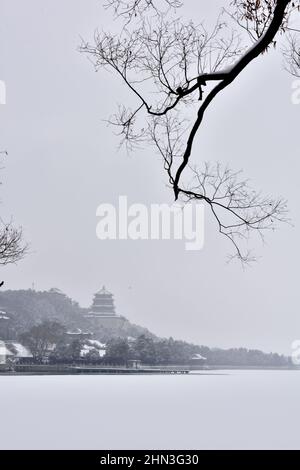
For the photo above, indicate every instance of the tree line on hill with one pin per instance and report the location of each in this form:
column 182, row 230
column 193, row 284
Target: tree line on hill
column 49, row 340
column 173, row 352
column 27, row 308
column 40, row 320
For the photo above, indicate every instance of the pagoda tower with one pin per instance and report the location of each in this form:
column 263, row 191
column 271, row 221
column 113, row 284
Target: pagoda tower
column 103, row 305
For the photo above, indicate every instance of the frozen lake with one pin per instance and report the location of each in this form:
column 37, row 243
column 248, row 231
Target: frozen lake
column 216, row 410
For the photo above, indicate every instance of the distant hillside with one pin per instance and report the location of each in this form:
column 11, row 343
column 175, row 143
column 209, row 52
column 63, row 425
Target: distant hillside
column 26, row 308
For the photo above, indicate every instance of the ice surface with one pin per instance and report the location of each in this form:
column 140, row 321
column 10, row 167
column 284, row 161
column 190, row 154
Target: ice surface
column 214, row 410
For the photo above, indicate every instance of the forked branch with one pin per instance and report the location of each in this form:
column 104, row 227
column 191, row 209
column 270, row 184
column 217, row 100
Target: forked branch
column 169, row 65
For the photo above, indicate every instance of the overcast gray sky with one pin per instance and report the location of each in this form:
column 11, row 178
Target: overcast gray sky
column 63, row 162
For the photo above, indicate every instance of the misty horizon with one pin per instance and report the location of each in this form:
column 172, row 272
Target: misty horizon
column 63, row 161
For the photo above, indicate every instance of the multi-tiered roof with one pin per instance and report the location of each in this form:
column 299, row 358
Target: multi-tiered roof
column 103, row 305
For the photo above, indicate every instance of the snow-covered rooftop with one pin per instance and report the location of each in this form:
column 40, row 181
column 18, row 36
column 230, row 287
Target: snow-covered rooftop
column 96, row 343
column 21, row 351
column 3, row 350
column 198, row 357
column 3, row 315
column 78, row 332
column 88, row 348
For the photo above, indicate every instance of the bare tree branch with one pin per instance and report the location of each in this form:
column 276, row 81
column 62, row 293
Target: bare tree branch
column 167, row 65
column 292, row 55
column 238, row 209
column 12, row 246
column 135, row 8
column 259, row 47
